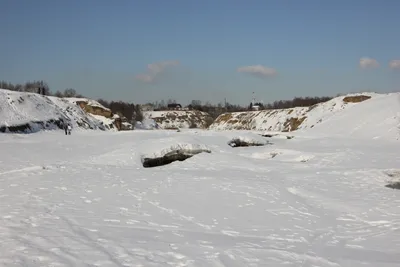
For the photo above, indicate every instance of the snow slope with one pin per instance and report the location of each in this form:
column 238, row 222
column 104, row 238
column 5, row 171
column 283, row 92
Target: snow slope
column 86, row 200
column 179, row 118
column 378, row 117
column 90, row 102
column 30, row 112
column 336, row 115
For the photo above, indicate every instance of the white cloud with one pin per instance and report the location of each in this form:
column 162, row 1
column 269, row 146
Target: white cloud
column 154, row 69
column 368, row 63
column 258, row 70
column 394, row 64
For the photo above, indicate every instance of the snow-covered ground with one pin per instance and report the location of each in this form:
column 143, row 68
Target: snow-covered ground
column 86, row 200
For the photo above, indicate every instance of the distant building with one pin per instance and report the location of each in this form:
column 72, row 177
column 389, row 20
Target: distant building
column 255, row 105
column 174, row 106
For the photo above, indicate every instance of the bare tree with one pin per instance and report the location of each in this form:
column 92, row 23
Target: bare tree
column 104, row 102
column 138, row 113
column 171, row 101
column 162, row 104
column 195, row 103
column 59, row 94
column 35, row 86
column 70, row 92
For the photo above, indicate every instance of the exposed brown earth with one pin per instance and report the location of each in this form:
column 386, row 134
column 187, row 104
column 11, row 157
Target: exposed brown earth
column 95, row 110
column 194, row 118
column 356, row 99
column 293, row 124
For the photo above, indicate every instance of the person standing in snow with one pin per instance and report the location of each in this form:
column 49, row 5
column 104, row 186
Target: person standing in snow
column 69, row 129
column 66, row 128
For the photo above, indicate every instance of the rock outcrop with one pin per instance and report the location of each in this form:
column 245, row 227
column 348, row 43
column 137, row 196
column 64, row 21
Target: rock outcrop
column 173, row 119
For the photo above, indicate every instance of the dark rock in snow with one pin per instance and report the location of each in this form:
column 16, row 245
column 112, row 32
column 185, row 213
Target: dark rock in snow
column 237, row 142
column 394, row 185
column 175, row 155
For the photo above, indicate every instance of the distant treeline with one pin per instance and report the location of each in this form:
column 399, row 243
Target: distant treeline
column 129, row 110
column 297, row 102
column 133, row 112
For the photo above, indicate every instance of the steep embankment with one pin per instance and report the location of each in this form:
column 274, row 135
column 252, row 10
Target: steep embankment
column 179, row 118
column 30, row 112
column 364, row 114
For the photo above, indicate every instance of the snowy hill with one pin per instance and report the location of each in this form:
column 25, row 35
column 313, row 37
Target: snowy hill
column 30, row 112
column 365, row 114
column 179, row 118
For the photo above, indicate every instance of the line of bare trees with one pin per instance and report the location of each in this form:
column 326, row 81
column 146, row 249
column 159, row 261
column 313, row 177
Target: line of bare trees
column 133, row 112
column 33, row 86
column 26, row 87
column 130, row 111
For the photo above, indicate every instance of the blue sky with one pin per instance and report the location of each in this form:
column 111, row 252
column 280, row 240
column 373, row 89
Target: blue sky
column 205, row 50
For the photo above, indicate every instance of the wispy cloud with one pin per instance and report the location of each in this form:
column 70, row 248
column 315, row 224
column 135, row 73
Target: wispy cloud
column 368, row 63
column 394, row 64
column 154, row 69
column 258, row 70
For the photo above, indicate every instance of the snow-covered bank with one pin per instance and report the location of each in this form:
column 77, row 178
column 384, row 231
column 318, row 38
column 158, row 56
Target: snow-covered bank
column 171, row 119
column 30, row 112
column 366, row 115
column 86, row 200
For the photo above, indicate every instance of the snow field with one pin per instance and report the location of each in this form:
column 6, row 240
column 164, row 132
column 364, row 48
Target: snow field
column 86, row 200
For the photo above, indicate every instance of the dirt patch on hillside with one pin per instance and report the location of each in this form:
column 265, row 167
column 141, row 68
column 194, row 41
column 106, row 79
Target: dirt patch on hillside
column 293, row 124
column 224, row 117
column 94, row 109
column 191, row 119
column 356, row 99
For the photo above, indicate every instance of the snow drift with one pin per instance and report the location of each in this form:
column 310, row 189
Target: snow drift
column 178, row 152
column 31, row 112
column 245, row 141
column 366, row 114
